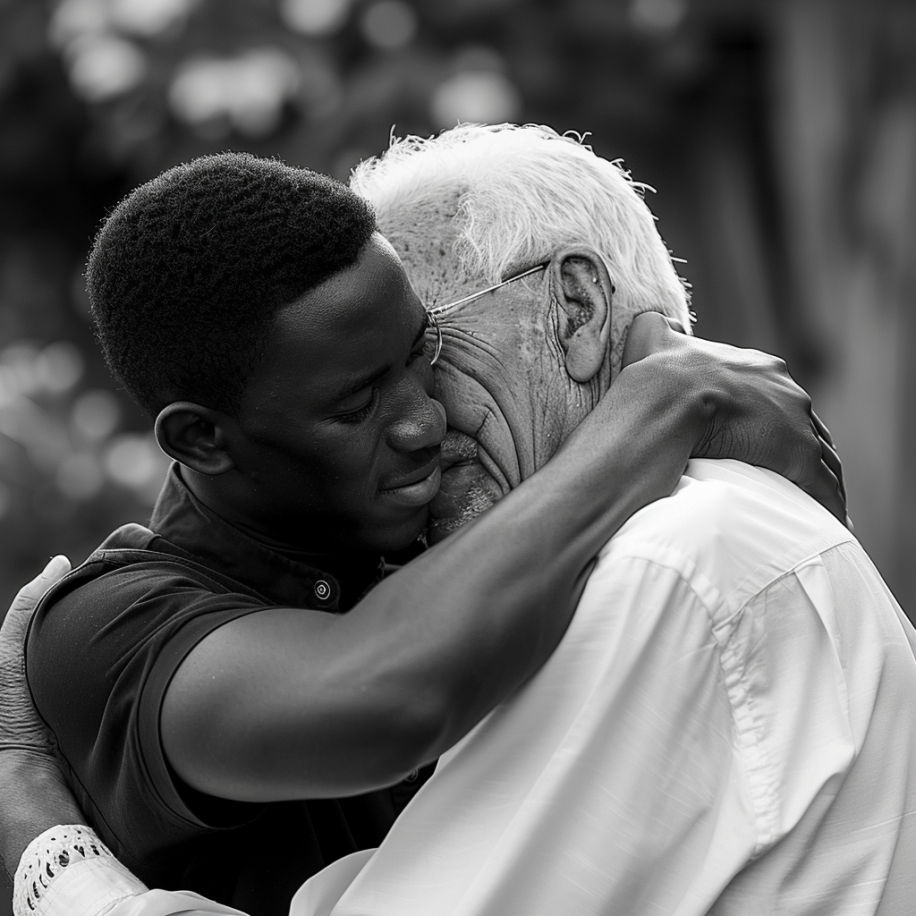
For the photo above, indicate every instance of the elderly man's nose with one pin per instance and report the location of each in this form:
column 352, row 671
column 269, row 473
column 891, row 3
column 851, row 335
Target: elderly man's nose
column 422, row 426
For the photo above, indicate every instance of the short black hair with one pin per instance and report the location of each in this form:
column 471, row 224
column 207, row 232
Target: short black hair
column 187, row 272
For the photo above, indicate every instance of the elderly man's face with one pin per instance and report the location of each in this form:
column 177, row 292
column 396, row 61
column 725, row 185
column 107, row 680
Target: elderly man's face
column 502, row 377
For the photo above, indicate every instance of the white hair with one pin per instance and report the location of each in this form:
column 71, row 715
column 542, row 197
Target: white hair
column 523, row 193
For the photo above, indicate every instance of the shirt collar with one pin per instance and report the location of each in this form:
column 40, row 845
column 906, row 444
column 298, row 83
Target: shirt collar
column 334, row 583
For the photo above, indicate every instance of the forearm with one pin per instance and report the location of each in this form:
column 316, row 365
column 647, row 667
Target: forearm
column 34, row 800
column 77, row 872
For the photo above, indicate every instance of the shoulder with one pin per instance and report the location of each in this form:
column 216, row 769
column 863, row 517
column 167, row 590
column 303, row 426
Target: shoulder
column 729, row 530
column 112, row 616
column 135, row 590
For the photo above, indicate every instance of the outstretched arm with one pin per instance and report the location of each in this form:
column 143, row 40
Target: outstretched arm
column 683, row 397
column 419, row 662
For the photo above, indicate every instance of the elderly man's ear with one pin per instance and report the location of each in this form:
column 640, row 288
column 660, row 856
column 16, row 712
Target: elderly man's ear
column 583, row 289
column 195, row 436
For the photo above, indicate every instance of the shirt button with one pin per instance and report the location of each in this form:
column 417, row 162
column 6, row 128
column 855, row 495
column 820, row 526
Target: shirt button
column 412, row 776
column 322, row 590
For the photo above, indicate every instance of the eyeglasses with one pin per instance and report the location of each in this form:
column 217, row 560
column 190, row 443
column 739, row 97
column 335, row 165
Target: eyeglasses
column 437, row 310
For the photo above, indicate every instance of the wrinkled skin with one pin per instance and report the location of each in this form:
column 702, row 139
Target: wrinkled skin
column 501, row 376
column 508, row 397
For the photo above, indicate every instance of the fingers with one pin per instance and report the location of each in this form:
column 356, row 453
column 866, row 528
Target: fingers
column 56, row 568
column 821, row 428
column 824, row 481
column 30, row 593
column 830, row 453
column 831, row 459
column 831, row 492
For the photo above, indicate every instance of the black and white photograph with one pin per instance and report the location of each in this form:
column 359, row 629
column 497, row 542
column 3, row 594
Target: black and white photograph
column 455, row 457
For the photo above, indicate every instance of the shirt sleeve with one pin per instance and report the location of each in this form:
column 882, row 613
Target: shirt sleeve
column 97, row 888
column 68, row 871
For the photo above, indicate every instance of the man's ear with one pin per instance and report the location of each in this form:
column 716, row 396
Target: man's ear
column 194, row 436
column 584, row 291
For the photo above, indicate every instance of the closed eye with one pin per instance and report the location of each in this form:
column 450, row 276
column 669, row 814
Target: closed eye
column 361, row 413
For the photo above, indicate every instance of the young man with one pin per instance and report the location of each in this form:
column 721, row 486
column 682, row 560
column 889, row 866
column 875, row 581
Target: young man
column 256, row 310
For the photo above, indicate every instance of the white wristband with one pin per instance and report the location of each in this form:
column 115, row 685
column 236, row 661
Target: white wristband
column 69, row 871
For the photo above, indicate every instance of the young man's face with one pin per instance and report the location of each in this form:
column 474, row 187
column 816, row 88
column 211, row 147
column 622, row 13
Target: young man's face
column 339, row 435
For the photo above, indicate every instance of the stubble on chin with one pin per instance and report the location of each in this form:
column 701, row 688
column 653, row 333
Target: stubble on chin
column 450, row 512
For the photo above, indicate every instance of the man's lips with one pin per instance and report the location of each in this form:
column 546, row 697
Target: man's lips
column 417, row 488
column 467, row 487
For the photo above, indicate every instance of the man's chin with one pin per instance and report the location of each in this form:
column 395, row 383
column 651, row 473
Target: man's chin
column 466, row 491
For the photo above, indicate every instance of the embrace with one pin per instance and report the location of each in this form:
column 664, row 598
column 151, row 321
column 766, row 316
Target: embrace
column 643, row 666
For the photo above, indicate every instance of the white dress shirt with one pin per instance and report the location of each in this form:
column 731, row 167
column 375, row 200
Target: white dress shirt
column 728, row 727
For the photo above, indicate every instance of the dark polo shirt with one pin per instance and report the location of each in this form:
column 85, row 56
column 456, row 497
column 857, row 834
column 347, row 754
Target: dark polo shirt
column 104, row 645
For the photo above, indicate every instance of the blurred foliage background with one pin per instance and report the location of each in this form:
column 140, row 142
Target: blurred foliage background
column 779, row 134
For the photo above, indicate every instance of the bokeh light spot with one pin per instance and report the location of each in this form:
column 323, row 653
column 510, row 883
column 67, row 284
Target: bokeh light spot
column 105, row 66
column 149, row 17
column 388, row 24
column 73, row 18
column 38, row 431
column 18, row 363
column 265, row 80
column 658, row 15
column 479, row 57
column 485, row 98
column 248, row 91
column 134, row 461
column 315, row 17
column 197, row 93
column 59, row 366
column 95, row 414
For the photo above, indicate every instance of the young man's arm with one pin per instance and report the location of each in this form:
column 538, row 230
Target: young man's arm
column 286, row 704
column 687, row 401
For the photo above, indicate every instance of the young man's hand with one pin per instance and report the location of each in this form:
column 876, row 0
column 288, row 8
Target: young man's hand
column 755, row 411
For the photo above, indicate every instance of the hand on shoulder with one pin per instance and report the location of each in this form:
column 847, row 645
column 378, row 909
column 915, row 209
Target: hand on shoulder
column 753, row 409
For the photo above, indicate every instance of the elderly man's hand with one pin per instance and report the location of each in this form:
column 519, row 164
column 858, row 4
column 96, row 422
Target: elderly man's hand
column 755, row 411
column 32, row 787
column 20, row 727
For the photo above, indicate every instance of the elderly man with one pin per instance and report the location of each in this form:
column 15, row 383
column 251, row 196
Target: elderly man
column 584, row 363
column 726, row 726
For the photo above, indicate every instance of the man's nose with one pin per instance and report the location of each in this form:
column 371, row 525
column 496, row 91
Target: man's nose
column 421, row 425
